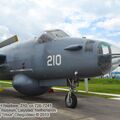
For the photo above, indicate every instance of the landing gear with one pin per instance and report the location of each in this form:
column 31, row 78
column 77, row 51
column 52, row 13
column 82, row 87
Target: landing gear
column 70, row 98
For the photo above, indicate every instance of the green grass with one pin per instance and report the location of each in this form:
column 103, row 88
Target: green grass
column 103, row 85
column 104, row 81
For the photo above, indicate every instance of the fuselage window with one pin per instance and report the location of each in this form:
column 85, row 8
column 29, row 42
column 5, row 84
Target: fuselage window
column 89, row 45
column 104, row 49
column 44, row 38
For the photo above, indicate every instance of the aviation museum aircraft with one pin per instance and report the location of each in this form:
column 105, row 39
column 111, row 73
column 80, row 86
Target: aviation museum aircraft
column 53, row 59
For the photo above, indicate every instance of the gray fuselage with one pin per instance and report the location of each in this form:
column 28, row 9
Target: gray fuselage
column 50, row 60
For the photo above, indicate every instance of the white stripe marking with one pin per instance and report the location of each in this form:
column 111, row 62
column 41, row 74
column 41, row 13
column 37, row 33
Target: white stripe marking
column 107, row 94
column 6, row 82
column 21, row 70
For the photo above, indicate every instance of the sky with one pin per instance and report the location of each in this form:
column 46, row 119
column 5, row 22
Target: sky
column 94, row 19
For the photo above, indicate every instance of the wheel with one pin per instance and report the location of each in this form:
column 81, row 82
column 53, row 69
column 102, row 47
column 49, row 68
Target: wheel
column 71, row 100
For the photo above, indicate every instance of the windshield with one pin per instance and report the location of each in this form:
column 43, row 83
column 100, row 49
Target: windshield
column 57, row 34
column 52, row 35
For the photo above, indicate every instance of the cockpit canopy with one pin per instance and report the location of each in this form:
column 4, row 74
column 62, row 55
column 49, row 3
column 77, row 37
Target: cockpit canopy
column 52, row 35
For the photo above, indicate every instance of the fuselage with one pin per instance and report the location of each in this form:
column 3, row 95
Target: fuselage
column 50, row 60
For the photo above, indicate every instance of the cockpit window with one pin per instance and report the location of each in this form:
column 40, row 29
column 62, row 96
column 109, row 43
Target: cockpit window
column 104, row 49
column 57, row 33
column 44, row 38
column 104, row 57
column 52, row 35
column 89, row 45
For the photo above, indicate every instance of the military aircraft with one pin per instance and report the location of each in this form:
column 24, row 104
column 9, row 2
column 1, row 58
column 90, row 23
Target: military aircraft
column 53, row 59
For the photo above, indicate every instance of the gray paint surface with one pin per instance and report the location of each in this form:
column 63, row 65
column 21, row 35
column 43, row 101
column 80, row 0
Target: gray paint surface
column 30, row 58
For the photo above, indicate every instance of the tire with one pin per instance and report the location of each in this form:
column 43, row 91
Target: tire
column 72, row 101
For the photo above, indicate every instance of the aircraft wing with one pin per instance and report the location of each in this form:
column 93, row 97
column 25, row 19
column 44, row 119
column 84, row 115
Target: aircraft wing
column 9, row 41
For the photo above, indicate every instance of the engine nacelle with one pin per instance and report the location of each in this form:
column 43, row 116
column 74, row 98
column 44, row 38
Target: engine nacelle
column 28, row 86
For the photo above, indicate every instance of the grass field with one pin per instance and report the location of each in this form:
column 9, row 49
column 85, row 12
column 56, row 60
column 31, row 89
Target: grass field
column 104, row 85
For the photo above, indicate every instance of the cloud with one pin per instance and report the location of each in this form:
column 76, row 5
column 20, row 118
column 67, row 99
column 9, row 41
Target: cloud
column 4, row 32
column 28, row 18
column 110, row 24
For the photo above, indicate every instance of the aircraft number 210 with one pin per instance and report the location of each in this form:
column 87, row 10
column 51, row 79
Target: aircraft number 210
column 54, row 60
